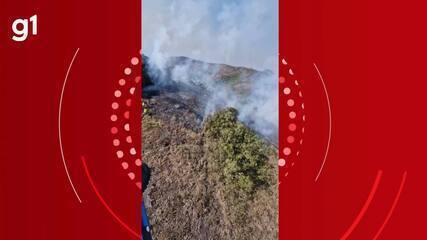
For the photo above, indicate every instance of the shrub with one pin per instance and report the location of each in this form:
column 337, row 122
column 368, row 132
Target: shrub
column 239, row 155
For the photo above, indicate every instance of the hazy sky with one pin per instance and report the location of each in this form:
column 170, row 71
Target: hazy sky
column 236, row 32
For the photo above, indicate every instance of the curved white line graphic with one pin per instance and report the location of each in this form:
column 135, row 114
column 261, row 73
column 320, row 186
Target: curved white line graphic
column 59, row 126
column 330, row 122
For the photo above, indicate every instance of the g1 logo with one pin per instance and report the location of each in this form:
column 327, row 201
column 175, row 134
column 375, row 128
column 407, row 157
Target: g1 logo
column 20, row 28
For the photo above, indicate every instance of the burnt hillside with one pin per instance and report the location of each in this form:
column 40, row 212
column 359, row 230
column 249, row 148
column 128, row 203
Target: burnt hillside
column 212, row 176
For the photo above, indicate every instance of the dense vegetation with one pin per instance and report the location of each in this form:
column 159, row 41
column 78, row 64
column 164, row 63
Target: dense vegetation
column 241, row 158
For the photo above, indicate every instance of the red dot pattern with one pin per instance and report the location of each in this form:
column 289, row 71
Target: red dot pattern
column 293, row 130
column 124, row 149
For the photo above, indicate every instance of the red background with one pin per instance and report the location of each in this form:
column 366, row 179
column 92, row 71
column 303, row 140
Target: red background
column 371, row 56
column 36, row 200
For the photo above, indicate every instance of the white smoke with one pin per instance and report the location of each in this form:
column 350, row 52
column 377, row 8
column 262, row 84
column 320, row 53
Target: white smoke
column 234, row 32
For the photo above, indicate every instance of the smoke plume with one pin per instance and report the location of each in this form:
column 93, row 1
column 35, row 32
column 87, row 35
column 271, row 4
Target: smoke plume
column 234, row 32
